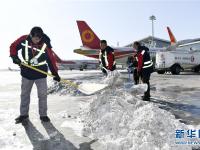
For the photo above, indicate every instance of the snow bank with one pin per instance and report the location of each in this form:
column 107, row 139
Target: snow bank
column 124, row 126
column 84, row 85
column 123, row 122
column 62, row 89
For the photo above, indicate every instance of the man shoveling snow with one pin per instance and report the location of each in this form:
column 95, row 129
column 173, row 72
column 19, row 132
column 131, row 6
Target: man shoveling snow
column 144, row 67
column 37, row 57
column 107, row 63
column 37, row 52
column 106, row 57
column 108, row 67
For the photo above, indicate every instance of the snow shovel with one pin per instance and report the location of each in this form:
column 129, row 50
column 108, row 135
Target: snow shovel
column 86, row 88
column 130, row 83
column 135, row 89
column 112, row 76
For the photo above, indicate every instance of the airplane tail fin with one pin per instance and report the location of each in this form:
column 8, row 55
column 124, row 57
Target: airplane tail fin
column 88, row 37
column 172, row 37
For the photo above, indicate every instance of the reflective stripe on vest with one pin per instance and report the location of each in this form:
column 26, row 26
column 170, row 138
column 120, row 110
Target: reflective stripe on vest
column 34, row 60
column 26, row 51
column 39, row 64
column 100, row 56
column 143, row 52
column 147, row 64
column 114, row 63
column 24, row 44
column 105, row 57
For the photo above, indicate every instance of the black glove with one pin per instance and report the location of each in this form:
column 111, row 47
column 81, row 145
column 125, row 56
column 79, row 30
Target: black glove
column 57, row 78
column 16, row 60
column 130, row 65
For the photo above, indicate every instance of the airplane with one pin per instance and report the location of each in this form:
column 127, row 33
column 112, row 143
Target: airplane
column 187, row 44
column 91, row 44
column 75, row 64
column 60, row 61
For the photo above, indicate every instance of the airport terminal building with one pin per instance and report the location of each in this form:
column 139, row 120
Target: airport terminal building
column 147, row 41
column 157, row 42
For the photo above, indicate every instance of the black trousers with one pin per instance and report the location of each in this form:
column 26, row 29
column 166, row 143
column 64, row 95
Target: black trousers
column 136, row 77
column 145, row 76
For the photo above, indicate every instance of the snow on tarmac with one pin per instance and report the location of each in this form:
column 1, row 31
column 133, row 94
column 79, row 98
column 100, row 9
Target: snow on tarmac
column 8, row 138
column 116, row 118
column 122, row 121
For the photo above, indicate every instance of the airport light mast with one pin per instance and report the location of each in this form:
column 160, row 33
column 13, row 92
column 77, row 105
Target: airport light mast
column 152, row 18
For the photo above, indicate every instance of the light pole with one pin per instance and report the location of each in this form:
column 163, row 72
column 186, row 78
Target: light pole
column 152, row 18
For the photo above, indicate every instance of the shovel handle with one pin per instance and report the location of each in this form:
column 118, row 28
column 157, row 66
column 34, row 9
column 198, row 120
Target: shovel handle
column 48, row 74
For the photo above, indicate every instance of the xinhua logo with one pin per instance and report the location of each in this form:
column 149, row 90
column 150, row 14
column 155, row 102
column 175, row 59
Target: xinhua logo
column 186, row 137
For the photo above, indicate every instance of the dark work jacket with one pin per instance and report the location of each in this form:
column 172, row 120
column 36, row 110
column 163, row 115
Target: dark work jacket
column 145, row 65
column 46, row 56
column 107, row 58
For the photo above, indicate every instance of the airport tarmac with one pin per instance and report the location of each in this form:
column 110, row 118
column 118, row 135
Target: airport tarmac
column 178, row 94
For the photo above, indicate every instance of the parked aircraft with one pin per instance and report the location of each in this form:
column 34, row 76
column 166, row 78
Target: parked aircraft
column 91, row 44
column 75, row 64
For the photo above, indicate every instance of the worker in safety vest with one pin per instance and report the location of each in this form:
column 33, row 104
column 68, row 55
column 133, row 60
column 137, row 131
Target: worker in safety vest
column 106, row 57
column 36, row 52
column 144, row 67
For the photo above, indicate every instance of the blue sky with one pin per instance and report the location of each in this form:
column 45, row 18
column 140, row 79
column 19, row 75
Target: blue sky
column 120, row 21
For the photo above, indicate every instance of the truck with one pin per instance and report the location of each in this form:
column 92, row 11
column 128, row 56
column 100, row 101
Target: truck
column 177, row 61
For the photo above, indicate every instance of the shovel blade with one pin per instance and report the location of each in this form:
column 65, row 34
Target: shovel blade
column 91, row 88
column 141, row 87
column 136, row 89
column 112, row 77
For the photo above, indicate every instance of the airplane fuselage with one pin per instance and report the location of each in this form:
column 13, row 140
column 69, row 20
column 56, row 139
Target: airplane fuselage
column 119, row 52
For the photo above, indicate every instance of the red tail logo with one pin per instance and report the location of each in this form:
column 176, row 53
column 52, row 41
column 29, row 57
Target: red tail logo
column 88, row 37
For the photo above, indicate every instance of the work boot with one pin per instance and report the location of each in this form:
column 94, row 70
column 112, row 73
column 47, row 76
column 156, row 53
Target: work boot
column 21, row 119
column 145, row 98
column 44, row 118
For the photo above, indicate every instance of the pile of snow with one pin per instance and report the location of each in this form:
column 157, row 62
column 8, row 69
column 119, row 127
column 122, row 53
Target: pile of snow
column 62, row 89
column 139, row 125
column 112, row 79
column 84, row 85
